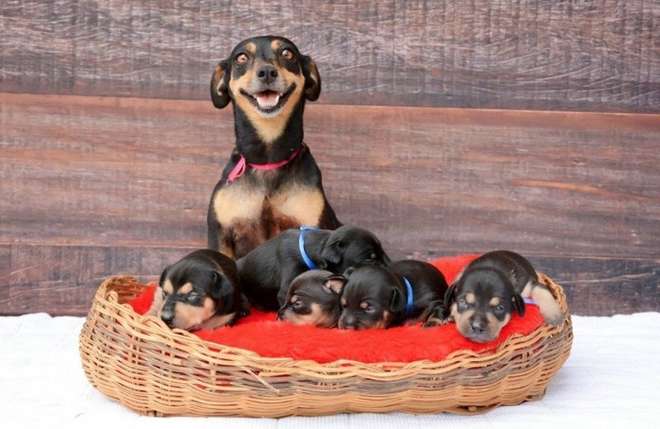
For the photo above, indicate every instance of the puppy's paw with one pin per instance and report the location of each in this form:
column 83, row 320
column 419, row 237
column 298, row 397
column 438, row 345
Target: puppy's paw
column 548, row 306
column 434, row 321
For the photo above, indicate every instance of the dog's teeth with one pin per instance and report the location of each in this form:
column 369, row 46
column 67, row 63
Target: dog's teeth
column 267, row 101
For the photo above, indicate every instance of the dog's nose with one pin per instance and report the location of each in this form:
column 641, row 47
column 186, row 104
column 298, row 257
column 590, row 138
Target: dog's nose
column 347, row 322
column 478, row 327
column 167, row 317
column 267, row 74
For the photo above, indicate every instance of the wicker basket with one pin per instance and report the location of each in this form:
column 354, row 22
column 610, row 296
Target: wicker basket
column 146, row 366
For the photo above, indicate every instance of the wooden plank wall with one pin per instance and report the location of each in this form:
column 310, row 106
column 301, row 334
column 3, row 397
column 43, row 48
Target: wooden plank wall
column 109, row 147
column 596, row 55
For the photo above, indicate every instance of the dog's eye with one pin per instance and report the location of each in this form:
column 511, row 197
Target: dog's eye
column 193, row 297
column 461, row 301
column 297, row 305
column 499, row 308
column 241, row 59
column 287, row 54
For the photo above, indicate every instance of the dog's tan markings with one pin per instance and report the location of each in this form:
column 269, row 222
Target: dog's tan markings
column 246, row 235
column 316, row 317
column 343, row 302
column 157, row 303
column 304, row 204
column 548, row 306
column 186, row 288
column 494, row 301
column 238, row 202
column 462, row 320
column 188, row 316
column 269, row 128
column 218, row 74
column 251, row 47
column 275, row 44
column 217, row 321
column 167, row 286
column 470, row 298
column 495, row 325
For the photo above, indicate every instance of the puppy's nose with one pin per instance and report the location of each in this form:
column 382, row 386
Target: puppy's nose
column 167, row 317
column 267, row 74
column 347, row 322
column 478, row 326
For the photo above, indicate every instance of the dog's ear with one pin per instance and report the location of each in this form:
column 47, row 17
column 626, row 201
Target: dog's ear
column 163, row 276
column 312, row 78
column 332, row 251
column 450, row 295
column 397, row 303
column 335, row 284
column 519, row 304
column 222, row 292
column 220, row 84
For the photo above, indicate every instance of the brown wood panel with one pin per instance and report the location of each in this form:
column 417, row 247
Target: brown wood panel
column 535, row 54
column 131, row 178
column 63, row 279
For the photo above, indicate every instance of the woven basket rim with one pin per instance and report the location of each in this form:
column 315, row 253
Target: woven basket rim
column 107, row 297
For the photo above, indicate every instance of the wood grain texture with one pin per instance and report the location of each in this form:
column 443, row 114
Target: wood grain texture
column 577, row 192
column 530, row 54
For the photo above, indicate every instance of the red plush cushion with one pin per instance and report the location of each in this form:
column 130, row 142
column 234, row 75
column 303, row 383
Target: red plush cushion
column 261, row 333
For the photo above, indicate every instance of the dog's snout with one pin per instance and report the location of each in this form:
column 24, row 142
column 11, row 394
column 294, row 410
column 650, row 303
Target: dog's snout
column 267, row 74
column 478, row 326
column 348, row 322
column 167, row 317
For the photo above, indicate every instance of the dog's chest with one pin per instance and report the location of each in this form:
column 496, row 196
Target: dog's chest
column 286, row 206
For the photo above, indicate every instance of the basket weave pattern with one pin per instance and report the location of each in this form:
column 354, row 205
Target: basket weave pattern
column 149, row 368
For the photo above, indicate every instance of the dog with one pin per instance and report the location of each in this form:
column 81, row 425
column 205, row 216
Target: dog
column 200, row 291
column 493, row 286
column 267, row 271
column 271, row 182
column 313, row 299
column 381, row 297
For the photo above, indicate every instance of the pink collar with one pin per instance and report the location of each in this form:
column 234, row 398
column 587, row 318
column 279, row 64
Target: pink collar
column 241, row 166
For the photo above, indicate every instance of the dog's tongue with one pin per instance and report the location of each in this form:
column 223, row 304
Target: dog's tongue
column 267, row 99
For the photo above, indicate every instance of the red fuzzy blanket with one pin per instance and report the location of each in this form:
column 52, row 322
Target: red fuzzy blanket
column 261, row 333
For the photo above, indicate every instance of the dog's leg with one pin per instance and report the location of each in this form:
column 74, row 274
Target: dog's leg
column 548, row 306
column 436, row 314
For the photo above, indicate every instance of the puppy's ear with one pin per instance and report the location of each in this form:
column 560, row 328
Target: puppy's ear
column 519, row 304
column 397, row 302
column 220, row 84
column 222, row 291
column 163, row 276
column 450, row 295
column 312, row 78
column 332, row 251
column 335, row 284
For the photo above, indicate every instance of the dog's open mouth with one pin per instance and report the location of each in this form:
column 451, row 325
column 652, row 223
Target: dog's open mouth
column 269, row 101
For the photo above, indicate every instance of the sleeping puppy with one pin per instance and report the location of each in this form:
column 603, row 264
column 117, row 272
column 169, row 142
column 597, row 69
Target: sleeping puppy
column 200, row 291
column 380, row 297
column 488, row 291
column 313, row 299
column 267, row 271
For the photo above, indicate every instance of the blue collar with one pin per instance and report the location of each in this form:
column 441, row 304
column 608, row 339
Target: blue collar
column 409, row 298
column 301, row 247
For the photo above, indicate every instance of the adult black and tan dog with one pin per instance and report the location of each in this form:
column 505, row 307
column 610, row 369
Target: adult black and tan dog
column 271, row 182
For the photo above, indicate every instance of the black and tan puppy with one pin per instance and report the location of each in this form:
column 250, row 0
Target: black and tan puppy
column 267, row 271
column 201, row 291
column 493, row 286
column 271, row 182
column 313, row 299
column 381, row 297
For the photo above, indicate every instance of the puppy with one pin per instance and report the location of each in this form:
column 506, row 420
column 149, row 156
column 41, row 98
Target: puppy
column 380, row 297
column 201, row 291
column 489, row 290
column 267, row 271
column 313, row 299
column 271, row 181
